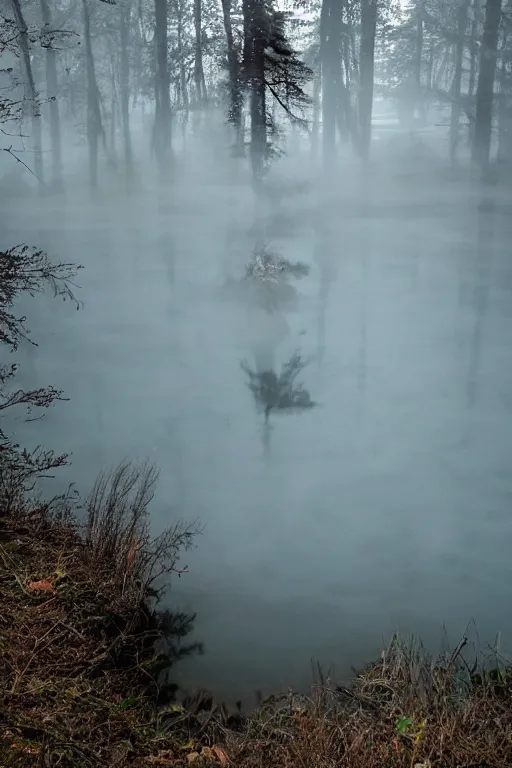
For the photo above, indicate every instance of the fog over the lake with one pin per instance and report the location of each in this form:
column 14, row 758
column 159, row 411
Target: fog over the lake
column 387, row 506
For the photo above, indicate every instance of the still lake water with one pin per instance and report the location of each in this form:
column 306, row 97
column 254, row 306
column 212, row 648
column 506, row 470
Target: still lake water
column 389, row 506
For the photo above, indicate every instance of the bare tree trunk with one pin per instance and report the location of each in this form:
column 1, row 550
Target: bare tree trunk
column 473, row 47
column 485, row 89
column 52, row 92
column 258, row 110
column 124, row 82
column 183, row 73
column 30, row 90
column 462, row 21
column 418, row 58
column 330, row 53
column 199, row 80
column 505, row 106
column 235, row 91
column 163, row 126
column 317, row 84
column 94, row 121
column 366, row 73
column 112, row 152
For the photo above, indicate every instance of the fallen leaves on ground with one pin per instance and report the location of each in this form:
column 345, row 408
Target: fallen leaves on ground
column 44, row 585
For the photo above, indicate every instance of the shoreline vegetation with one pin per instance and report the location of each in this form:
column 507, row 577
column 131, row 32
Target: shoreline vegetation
column 86, row 657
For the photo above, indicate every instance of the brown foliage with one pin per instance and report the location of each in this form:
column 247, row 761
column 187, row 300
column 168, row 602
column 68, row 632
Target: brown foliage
column 79, row 670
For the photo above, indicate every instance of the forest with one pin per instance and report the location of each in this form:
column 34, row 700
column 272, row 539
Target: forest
column 84, row 72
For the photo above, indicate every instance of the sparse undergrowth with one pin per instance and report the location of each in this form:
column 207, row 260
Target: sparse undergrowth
column 83, row 647
column 80, row 681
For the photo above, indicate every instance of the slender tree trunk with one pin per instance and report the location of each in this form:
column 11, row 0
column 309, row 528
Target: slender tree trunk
column 473, row 48
column 485, row 89
column 317, row 84
column 258, row 111
column 183, row 73
column 430, row 68
column 199, row 80
column 330, row 54
column 94, row 121
column 52, row 92
column 462, row 21
column 112, row 152
column 418, row 58
column 235, row 91
column 366, row 73
column 163, row 127
column 505, row 105
column 124, row 82
column 30, row 89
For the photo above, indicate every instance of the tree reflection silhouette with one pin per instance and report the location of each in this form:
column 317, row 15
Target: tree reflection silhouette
column 273, row 392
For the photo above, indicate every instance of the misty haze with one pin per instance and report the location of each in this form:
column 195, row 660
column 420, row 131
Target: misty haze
column 302, row 319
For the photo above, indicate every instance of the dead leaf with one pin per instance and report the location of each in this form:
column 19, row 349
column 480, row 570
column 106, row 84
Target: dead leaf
column 45, row 585
column 165, row 757
column 220, row 755
column 193, row 756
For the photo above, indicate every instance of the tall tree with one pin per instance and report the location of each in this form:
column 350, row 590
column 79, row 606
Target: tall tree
column 473, row 47
column 504, row 154
column 366, row 74
column 485, row 88
column 199, row 80
column 255, row 36
column 235, row 90
column 124, row 82
column 270, row 67
column 418, row 58
column 52, row 93
column 94, row 122
column 462, row 21
column 30, row 89
column 330, row 55
column 162, row 136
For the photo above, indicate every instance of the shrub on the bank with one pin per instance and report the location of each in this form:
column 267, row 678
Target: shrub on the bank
column 118, row 534
column 25, row 270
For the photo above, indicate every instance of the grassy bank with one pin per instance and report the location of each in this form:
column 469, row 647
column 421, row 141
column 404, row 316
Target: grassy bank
column 81, row 680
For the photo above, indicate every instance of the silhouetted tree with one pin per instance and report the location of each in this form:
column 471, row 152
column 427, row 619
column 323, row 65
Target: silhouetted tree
column 279, row 392
column 25, row 271
column 162, row 136
column 94, row 122
column 30, row 88
column 269, row 64
column 366, row 74
column 124, row 77
column 52, row 93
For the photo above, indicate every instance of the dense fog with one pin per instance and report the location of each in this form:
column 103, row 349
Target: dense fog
column 383, row 507
column 386, row 507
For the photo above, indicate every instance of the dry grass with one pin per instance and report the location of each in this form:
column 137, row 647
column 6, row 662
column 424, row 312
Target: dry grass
column 79, row 671
column 79, row 681
column 405, row 711
column 118, row 534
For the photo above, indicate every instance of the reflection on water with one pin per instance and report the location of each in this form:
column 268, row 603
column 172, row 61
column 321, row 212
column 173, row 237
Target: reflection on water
column 388, row 506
